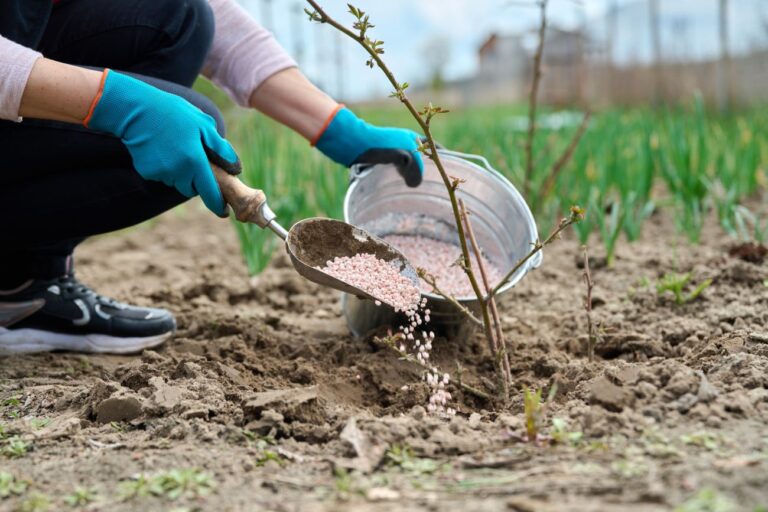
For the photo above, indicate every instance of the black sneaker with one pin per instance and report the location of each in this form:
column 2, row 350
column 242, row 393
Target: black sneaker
column 63, row 314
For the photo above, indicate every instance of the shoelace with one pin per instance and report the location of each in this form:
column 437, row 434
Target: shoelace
column 71, row 284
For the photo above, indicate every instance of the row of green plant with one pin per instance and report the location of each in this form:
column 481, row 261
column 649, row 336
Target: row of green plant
column 629, row 164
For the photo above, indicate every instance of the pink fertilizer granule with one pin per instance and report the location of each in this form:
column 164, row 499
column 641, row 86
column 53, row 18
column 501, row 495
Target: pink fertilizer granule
column 439, row 259
column 377, row 278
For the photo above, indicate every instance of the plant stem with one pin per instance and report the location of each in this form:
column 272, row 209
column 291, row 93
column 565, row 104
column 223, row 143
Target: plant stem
column 534, row 98
column 433, row 155
column 561, row 162
column 450, row 298
column 576, row 216
column 498, row 344
column 588, row 308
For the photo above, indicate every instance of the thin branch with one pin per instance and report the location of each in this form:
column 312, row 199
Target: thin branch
column 498, row 345
column 423, row 121
column 576, row 215
column 534, row 98
column 561, row 162
column 431, row 281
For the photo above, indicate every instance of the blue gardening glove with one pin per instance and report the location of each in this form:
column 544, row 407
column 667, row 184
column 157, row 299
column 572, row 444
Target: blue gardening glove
column 349, row 140
column 169, row 139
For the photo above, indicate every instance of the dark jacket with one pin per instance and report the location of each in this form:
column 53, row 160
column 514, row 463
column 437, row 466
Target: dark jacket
column 24, row 21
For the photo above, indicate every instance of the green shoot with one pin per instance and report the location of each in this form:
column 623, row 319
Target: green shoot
column 402, row 456
column 708, row 500
column 35, row 502
column 171, row 484
column 15, row 447
column 11, row 486
column 561, row 435
column 676, row 284
column 80, row 497
column 535, row 409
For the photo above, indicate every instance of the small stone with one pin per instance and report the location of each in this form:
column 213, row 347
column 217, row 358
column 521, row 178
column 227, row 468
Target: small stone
column 474, row 420
column 685, row 402
column 382, row 494
column 118, row 408
column 418, row 412
column 739, row 323
column 707, row 391
column 271, row 416
column 608, row 395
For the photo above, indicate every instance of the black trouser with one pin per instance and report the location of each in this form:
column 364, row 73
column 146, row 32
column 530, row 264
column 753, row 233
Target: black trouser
column 60, row 183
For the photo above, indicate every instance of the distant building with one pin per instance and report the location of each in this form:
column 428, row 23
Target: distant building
column 611, row 60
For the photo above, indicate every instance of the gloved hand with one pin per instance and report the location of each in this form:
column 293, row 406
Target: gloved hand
column 169, row 139
column 348, row 140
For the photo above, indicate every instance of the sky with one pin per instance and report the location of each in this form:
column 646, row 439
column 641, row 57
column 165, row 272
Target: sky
column 408, row 27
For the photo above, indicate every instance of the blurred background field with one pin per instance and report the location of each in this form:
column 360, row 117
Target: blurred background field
column 630, row 162
column 678, row 93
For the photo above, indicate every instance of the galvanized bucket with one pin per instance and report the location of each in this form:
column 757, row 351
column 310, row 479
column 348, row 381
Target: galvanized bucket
column 380, row 202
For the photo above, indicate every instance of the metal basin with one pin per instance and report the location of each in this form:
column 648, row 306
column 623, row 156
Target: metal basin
column 379, row 202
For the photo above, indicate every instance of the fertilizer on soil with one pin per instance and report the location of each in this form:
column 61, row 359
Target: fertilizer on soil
column 382, row 280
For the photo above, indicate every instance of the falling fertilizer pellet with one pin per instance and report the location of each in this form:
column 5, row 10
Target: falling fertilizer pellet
column 439, row 260
column 383, row 281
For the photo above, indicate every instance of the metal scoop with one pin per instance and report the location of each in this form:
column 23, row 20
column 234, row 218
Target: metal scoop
column 311, row 242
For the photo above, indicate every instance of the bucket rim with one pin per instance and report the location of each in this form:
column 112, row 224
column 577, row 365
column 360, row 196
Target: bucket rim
column 360, row 172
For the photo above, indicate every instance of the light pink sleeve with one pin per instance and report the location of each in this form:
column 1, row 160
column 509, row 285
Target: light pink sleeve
column 244, row 53
column 16, row 63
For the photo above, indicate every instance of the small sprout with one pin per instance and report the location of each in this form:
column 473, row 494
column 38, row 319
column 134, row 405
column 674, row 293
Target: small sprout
column 560, row 434
column 314, row 16
column 402, row 456
column 38, row 423
column 535, row 409
column 171, row 484
column 80, row 497
column 11, row 486
column 35, row 502
column 629, row 468
column 708, row 499
column 703, row 439
column 676, row 284
column 15, row 447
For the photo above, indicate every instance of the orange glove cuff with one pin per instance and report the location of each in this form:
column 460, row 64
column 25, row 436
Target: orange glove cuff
column 96, row 98
column 325, row 124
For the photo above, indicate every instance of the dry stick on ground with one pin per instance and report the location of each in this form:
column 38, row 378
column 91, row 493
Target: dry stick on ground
column 374, row 50
column 588, row 308
column 499, row 344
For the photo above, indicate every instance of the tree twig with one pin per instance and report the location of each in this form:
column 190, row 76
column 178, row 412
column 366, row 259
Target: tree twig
column 498, row 344
column 576, row 215
column 533, row 99
column 431, row 281
column 561, row 162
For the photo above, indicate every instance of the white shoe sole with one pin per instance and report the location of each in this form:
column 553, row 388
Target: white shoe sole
column 29, row 341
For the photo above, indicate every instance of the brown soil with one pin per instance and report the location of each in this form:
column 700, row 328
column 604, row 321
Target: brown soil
column 674, row 410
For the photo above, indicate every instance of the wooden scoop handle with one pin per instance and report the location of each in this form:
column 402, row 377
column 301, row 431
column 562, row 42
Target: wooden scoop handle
column 248, row 203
